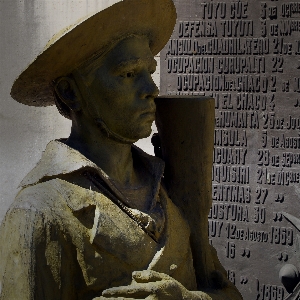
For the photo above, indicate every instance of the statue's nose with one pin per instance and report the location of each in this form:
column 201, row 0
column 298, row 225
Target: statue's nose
column 150, row 89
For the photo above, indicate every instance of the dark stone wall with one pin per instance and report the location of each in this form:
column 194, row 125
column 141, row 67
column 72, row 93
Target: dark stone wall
column 246, row 54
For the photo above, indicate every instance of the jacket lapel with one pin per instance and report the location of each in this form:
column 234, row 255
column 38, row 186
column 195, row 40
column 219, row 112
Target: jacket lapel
column 113, row 231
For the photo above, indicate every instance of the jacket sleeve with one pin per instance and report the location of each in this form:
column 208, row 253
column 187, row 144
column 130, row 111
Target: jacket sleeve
column 25, row 261
column 17, row 264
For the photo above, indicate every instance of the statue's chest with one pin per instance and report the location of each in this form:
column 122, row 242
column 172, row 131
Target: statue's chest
column 110, row 245
column 114, row 247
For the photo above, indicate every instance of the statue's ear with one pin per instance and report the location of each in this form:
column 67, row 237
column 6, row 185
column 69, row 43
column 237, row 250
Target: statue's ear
column 67, row 91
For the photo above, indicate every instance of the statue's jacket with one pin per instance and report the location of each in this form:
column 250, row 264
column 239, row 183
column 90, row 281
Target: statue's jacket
column 61, row 240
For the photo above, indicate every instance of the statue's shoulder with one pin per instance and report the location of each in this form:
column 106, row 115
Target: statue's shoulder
column 37, row 196
column 44, row 188
column 29, row 215
column 44, row 208
column 41, row 199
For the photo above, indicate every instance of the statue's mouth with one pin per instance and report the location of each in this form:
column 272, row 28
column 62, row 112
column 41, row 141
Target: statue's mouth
column 148, row 114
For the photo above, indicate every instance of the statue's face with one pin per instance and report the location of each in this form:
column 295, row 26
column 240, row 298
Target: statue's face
column 121, row 89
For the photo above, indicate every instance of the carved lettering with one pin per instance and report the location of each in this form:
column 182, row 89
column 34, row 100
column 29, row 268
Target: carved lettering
column 237, row 174
column 290, row 159
column 232, row 193
column 269, row 292
column 289, row 9
column 215, row 228
column 237, row 46
column 285, row 142
column 247, row 101
column 236, row 28
column 231, row 212
column 189, row 29
column 246, row 234
column 282, row 235
column 232, row 119
column 185, row 64
column 237, row 65
column 231, row 156
column 225, row 137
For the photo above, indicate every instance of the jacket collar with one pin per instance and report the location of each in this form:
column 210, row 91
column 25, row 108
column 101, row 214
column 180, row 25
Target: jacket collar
column 60, row 159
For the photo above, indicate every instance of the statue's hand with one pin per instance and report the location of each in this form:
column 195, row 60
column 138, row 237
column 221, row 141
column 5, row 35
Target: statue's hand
column 152, row 285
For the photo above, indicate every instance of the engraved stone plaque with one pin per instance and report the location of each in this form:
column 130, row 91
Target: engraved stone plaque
column 246, row 54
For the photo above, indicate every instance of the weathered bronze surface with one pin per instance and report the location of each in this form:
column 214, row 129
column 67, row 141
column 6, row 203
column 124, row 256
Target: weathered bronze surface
column 93, row 219
column 245, row 54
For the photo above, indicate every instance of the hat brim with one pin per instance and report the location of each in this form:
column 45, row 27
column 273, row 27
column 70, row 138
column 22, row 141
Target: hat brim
column 69, row 49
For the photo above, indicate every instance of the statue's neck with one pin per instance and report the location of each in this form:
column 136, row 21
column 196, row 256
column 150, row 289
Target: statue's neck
column 112, row 156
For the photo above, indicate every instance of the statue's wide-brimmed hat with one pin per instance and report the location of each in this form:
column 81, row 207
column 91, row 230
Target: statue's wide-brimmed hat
column 72, row 46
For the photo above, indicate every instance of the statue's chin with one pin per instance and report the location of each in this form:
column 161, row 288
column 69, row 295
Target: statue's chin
column 113, row 135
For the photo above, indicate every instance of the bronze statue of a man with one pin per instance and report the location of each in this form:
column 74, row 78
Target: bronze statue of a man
column 92, row 220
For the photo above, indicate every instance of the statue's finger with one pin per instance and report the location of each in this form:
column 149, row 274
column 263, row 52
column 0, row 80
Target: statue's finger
column 149, row 276
column 139, row 291
column 152, row 297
